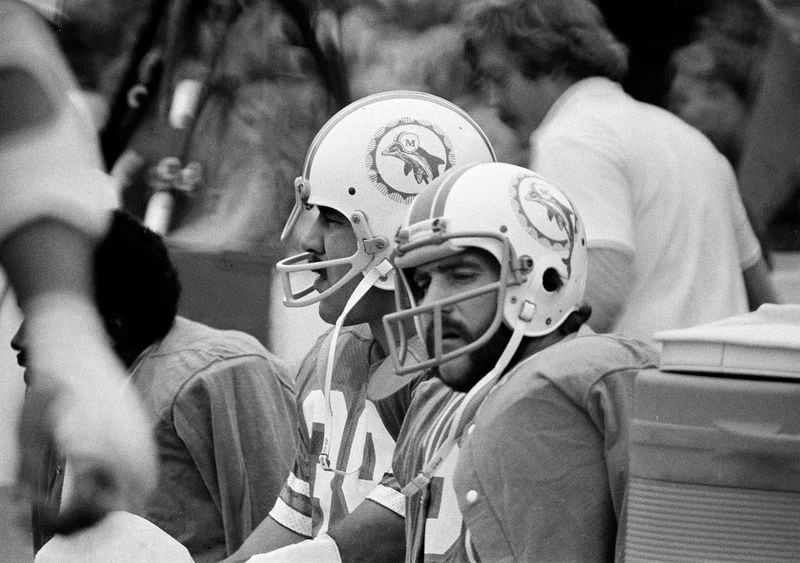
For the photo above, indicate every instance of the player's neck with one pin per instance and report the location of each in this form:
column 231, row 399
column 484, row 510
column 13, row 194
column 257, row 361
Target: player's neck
column 533, row 345
column 379, row 334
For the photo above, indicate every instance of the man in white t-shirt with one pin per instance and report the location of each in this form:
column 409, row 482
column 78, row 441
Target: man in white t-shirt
column 669, row 242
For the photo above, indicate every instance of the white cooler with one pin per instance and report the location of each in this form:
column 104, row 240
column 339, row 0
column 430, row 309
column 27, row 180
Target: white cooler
column 715, row 443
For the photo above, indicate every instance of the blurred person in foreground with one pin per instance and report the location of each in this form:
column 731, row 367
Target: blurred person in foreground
column 222, row 407
column 669, row 242
column 515, row 445
column 55, row 206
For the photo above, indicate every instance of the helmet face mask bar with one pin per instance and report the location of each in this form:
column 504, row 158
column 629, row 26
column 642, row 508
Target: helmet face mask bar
column 368, row 247
column 513, row 272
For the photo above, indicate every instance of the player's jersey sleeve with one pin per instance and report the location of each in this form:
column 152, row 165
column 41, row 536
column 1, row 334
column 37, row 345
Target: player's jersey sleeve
column 50, row 163
column 388, row 495
column 293, row 508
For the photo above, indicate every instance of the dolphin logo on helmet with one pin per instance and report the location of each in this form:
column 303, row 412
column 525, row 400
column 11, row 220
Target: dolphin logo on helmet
column 546, row 215
column 408, row 146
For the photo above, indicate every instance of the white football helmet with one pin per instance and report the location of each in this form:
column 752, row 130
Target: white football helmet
column 368, row 162
column 516, row 215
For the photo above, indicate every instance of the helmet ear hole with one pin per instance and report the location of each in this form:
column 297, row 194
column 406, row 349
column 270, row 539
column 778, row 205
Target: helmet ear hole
column 551, row 280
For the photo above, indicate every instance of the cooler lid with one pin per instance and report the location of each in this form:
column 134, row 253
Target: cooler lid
column 765, row 342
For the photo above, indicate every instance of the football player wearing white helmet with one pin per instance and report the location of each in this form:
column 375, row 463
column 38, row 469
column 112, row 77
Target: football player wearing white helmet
column 54, row 205
column 517, row 449
column 363, row 169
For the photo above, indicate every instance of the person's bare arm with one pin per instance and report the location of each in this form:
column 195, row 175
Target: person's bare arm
column 608, row 283
column 759, row 285
column 370, row 533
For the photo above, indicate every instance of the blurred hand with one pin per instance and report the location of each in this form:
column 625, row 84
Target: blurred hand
column 80, row 401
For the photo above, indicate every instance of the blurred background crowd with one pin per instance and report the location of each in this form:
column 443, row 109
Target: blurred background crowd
column 270, row 72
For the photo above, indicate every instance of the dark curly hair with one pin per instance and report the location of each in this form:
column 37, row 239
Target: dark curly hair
column 546, row 37
column 136, row 285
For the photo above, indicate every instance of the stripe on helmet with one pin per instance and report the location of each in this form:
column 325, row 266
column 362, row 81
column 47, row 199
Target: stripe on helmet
column 430, row 203
column 447, row 184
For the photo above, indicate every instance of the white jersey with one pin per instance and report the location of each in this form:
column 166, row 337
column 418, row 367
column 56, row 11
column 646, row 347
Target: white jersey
column 360, row 446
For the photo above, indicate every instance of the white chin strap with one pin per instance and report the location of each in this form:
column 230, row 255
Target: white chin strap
column 370, row 279
column 470, row 404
